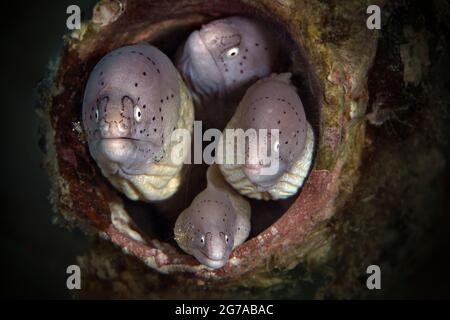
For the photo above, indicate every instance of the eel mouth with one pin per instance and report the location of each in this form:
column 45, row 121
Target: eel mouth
column 210, row 258
column 255, row 168
column 213, row 263
column 122, row 138
column 119, row 153
column 264, row 176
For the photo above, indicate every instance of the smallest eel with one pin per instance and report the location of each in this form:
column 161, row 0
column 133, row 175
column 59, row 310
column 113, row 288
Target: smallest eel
column 217, row 221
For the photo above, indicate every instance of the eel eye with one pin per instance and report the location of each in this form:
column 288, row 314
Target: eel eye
column 96, row 114
column 202, row 239
column 276, row 146
column 137, row 114
column 233, row 52
column 226, row 239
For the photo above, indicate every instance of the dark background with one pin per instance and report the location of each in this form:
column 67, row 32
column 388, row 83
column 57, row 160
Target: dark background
column 35, row 252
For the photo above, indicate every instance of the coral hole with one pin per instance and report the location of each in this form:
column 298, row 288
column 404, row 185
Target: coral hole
column 88, row 197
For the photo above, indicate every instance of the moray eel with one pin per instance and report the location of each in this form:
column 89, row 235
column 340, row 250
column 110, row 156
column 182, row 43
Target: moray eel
column 271, row 103
column 220, row 61
column 217, row 221
column 133, row 101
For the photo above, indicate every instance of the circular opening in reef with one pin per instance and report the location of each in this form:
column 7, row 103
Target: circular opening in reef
column 157, row 219
column 167, row 30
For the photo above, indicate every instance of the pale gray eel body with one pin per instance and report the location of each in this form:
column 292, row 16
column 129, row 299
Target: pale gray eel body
column 220, row 61
column 272, row 103
column 217, row 221
column 133, row 101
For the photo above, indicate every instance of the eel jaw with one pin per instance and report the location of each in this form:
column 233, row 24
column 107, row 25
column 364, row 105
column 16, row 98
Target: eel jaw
column 262, row 176
column 116, row 150
column 119, row 155
column 210, row 262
